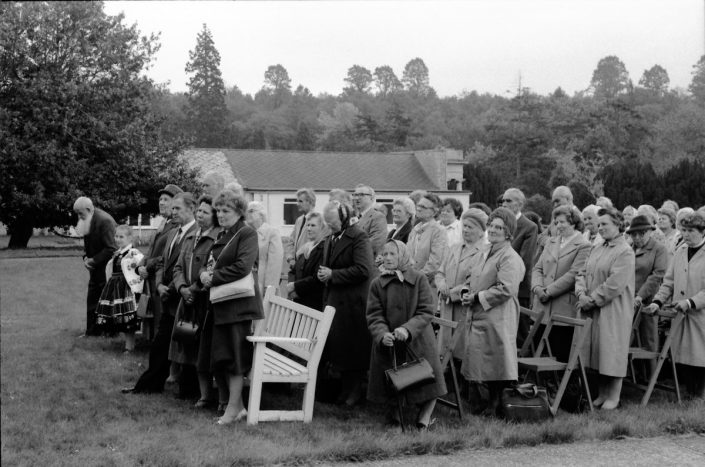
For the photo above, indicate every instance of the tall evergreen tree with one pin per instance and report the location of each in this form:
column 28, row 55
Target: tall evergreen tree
column 206, row 110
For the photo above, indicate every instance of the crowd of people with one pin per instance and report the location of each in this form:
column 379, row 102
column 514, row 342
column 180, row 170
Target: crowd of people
column 477, row 266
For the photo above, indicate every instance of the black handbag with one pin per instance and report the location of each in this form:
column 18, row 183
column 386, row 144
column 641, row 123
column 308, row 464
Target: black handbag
column 526, row 403
column 413, row 373
column 185, row 331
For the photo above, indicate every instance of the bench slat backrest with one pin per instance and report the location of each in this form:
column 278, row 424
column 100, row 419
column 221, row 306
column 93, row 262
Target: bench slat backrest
column 284, row 318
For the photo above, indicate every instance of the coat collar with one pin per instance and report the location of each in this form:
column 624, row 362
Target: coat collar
column 409, row 276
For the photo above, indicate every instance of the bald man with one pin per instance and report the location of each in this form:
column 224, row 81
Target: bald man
column 98, row 230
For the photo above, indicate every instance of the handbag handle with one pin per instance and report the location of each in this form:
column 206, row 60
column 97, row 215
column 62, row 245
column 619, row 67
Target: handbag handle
column 409, row 352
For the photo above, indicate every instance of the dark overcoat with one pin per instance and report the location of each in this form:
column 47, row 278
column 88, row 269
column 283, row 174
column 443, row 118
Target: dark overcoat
column 402, row 233
column 392, row 303
column 234, row 262
column 524, row 242
column 99, row 243
column 309, row 290
column 165, row 272
column 192, row 258
column 350, row 259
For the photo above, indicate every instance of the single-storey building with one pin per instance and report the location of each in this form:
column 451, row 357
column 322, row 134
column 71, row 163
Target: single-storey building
column 273, row 176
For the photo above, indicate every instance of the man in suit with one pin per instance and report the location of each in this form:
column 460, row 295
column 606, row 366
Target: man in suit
column 153, row 259
column 370, row 221
column 306, row 202
column 98, row 230
column 524, row 242
column 183, row 208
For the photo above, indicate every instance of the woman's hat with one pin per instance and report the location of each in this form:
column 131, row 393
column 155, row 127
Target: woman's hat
column 640, row 223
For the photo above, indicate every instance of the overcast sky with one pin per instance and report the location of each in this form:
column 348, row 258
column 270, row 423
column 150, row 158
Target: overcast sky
column 482, row 45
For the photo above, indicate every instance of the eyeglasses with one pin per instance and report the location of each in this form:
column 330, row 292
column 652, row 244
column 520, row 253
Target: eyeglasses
column 359, row 195
column 421, row 206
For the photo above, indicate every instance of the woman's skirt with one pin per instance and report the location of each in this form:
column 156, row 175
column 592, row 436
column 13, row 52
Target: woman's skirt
column 231, row 352
column 116, row 307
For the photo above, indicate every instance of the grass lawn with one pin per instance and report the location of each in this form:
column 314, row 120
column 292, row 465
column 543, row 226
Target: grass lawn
column 61, row 403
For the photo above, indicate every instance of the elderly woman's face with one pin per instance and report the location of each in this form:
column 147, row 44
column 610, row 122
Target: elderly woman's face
column 447, row 215
column 563, row 227
column 227, row 216
column 590, row 221
column 399, row 214
column 204, row 216
column 692, row 237
column 607, row 228
column 664, row 222
column 390, row 256
column 313, row 228
column 471, row 232
column 496, row 231
column 253, row 218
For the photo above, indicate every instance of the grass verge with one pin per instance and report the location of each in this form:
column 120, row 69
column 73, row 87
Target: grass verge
column 61, row 403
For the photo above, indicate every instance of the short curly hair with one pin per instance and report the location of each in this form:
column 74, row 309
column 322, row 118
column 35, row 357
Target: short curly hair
column 232, row 200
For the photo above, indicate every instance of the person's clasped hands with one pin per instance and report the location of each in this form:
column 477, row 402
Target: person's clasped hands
column 400, row 334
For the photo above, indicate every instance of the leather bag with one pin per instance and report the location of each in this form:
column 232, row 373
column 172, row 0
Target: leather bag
column 240, row 288
column 413, row 373
column 185, row 331
column 526, row 403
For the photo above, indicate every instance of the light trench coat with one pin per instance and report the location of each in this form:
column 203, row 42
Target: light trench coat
column 608, row 278
column 556, row 270
column 271, row 256
column 427, row 244
column 686, row 280
column 454, row 272
column 491, row 330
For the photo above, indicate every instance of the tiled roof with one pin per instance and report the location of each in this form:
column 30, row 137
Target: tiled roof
column 291, row 170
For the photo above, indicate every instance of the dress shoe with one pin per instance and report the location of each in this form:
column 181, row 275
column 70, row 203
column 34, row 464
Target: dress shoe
column 202, row 404
column 227, row 421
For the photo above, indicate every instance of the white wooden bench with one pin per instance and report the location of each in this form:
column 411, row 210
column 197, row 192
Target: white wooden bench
column 299, row 331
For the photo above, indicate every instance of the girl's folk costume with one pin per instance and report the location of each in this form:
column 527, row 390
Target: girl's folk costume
column 117, row 304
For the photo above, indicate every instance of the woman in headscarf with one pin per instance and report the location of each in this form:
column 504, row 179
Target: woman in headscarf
column 306, row 289
column 605, row 291
column 346, row 271
column 491, row 329
column 399, row 310
column 455, row 272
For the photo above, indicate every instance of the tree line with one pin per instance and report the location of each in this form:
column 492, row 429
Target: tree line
column 78, row 116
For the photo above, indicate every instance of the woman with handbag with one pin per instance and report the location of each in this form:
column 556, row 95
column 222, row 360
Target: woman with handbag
column 306, row 288
column 399, row 310
column 190, row 345
column 493, row 318
column 233, row 258
column 605, row 291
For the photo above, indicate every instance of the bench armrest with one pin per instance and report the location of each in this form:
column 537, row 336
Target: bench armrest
column 275, row 339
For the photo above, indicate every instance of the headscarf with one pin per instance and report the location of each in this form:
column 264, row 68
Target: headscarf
column 405, row 261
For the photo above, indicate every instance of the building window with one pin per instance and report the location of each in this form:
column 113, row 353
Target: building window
column 291, row 211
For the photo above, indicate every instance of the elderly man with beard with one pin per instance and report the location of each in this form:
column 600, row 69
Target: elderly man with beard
column 153, row 259
column 98, row 230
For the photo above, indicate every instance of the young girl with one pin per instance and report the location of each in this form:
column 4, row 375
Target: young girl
column 117, row 305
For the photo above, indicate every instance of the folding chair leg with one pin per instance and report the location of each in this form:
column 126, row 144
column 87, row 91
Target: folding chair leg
column 631, row 369
column 675, row 375
column 653, row 379
column 585, row 383
column 401, row 413
column 456, row 388
column 561, row 390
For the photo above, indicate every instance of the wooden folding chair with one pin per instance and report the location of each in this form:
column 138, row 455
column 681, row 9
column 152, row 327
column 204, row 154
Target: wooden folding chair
column 528, row 344
column 638, row 353
column 446, row 356
column 539, row 364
